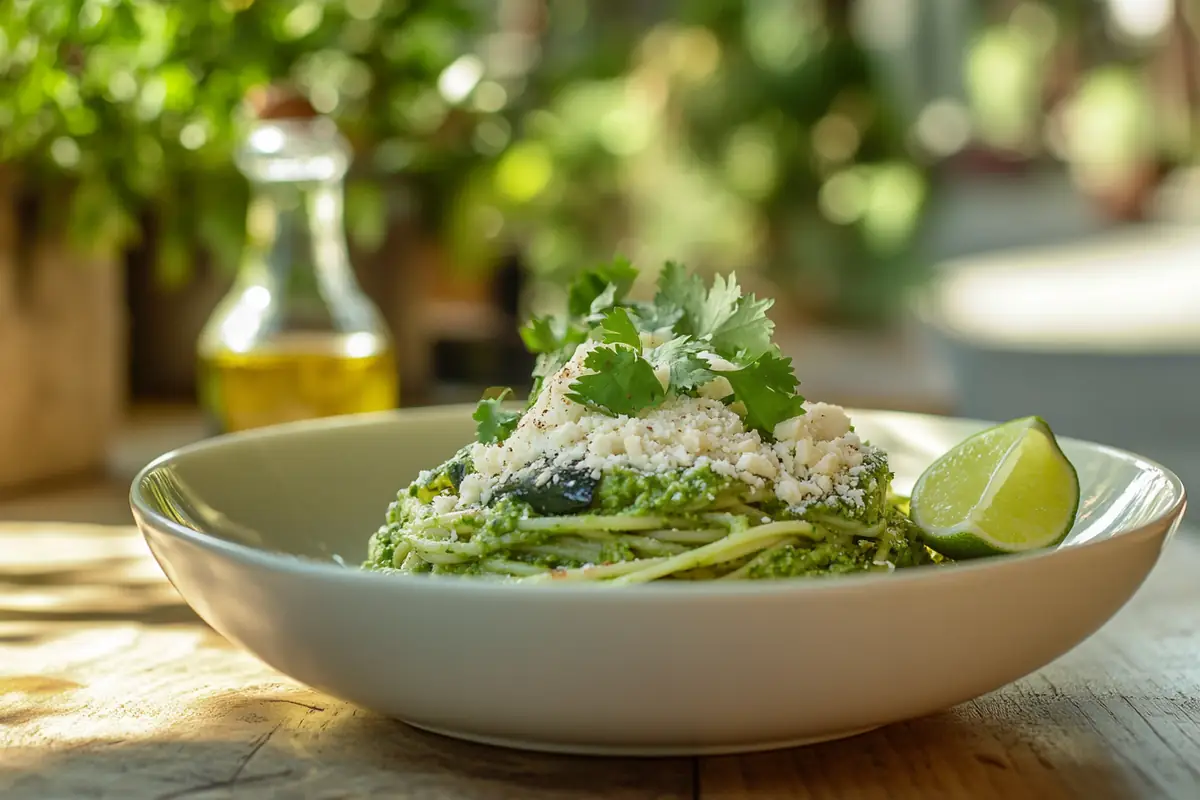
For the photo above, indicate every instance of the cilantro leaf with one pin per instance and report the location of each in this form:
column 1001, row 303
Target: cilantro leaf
column 766, row 387
column 539, row 335
column 719, row 305
column 618, row 328
column 651, row 317
column 679, row 299
column 747, row 331
column 717, row 319
column 494, row 423
column 734, row 324
column 623, row 382
column 554, row 341
column 603, row 302
column 681, row 356
column 591, row 285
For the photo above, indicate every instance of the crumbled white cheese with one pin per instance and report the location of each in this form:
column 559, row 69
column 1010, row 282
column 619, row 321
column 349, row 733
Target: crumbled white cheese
column 470, row 491
column 826, row 422
column 815, row 455
column 717, row 389
column 444, row 503
column 757, row 464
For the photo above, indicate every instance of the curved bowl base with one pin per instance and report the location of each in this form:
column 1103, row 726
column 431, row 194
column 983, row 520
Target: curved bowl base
column 638, row 751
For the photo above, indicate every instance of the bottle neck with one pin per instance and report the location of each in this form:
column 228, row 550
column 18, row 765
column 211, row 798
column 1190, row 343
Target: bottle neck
column 295, row 280
column 296, row 243
column 295, row 240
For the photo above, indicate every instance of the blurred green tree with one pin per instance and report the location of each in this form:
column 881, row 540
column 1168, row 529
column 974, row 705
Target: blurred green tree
column 754, row 135
column 116, row 113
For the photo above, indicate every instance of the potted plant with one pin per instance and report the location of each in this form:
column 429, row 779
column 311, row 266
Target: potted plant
column 119, row 120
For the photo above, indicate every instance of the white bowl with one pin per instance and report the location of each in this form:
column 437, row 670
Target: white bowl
column 248, row 527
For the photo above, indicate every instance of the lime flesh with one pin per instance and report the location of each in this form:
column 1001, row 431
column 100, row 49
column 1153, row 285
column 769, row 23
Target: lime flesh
column 1008, row 489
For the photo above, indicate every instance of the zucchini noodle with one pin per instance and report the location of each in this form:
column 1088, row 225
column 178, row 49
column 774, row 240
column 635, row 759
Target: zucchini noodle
column 664, row 440
column 741, row 538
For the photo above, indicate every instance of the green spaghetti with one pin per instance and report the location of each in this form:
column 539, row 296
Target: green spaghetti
column 663, row 441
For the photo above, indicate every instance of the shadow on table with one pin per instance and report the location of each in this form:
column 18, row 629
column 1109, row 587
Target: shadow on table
column 941, row 756
column 296, row 743
column 300, row 744
column 292, row 742
column 113, row 590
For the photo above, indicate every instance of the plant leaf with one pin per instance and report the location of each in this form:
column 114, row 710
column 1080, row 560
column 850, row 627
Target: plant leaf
column 681, row 355
column 494, row 423
column 539, row 336
column 592, row 283
column 622, row 382
column 618, row 328
column 679, row 299
column 766, row 387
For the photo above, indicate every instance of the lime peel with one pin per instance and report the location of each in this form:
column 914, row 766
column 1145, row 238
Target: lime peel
column 1007, row 489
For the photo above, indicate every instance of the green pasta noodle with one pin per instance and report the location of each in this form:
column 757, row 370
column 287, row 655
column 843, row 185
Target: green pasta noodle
column 663, row 441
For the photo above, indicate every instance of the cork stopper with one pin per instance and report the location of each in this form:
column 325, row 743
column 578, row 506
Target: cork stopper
column 278, row 101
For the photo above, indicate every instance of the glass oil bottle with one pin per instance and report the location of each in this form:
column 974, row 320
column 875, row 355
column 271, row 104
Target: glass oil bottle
column 295, row 338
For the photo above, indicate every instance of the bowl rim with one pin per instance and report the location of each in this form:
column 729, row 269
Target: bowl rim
column 301, row 566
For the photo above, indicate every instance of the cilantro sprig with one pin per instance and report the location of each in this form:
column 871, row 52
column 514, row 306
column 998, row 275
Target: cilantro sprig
column 687, row 369
column 622, row 382
column 767, row 389
column 618, row 328
column 732, row 324
column 595, row 290
column 694, row 326
column 494, row 423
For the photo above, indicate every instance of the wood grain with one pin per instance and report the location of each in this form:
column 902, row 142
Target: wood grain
column 1119, row 717
column 111, row 688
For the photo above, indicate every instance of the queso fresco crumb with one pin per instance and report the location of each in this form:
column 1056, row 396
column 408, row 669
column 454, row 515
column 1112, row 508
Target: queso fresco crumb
column 662, row 440
column 815, row 456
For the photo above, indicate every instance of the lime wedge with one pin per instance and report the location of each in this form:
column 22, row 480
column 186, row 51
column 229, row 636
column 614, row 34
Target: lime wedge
column 1008, row 489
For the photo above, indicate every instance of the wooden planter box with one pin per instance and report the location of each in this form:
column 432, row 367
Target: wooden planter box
column 62, row 356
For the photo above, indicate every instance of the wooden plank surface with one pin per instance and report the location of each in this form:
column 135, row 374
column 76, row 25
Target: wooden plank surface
column 1118, row 717
column 110, row 687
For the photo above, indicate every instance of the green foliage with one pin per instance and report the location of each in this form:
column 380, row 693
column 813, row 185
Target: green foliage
column 494, row 423
column 622, row 382
column 687, row 369
column 596, row 290
column 767, row 388
column 804, row 129
column 618, row 328
column 130, row 109
column 718, row 321
column 718, row 133
column 733, row 324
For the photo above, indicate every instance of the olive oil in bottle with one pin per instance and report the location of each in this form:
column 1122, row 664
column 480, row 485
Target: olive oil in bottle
column 295, row 338
column 294, row 379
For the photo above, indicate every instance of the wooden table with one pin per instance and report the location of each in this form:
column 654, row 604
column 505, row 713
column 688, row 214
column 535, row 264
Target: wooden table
column 110, row 687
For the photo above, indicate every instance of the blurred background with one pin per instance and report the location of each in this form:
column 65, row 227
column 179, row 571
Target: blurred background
column 983, row 209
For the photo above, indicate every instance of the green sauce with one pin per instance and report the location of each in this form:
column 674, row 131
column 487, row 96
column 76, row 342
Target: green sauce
column 447, row 477
column 679, row 492
column 857, row 538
